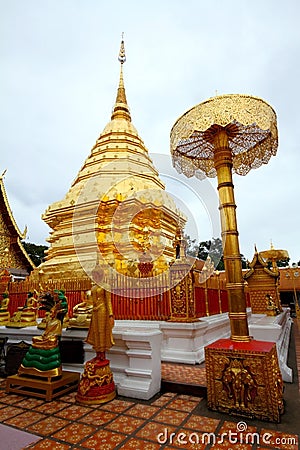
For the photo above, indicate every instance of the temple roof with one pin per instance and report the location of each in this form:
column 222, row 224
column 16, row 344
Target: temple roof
column 12, row 224
column 11, row 236
column 259, row 261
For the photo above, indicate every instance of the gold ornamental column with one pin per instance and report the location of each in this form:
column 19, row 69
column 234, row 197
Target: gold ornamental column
column 225, row 134
column 231, row 251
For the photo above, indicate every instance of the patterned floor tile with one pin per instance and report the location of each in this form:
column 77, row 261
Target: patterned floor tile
column 225, row 445
column 98, row 417
column 189, row 397
column 144, row 411
column 178, row 372
column 48, row 426
column 201, row 423
column 73, row 412
column 182, row 405
column 29, row 403
column 117, row 406
column 194, row 447
column 25, row 419
column 161, row 401
column 125, row 424
column 74, row 433
column 10, row 399
column 69, row 398
column 51, row 407
column 49, row 444
column 10, row 411
column 138, row 444
column 152, row 430
column 104, row 440
column 170, row 416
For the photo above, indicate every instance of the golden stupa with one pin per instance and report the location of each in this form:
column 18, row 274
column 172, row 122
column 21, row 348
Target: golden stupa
column 116, row 213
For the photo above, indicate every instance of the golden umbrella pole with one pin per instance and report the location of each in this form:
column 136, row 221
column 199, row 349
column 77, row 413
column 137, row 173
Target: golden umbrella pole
column 225, row 134
column 231, row 251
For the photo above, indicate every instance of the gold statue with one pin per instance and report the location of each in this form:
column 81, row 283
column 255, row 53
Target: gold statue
column 82, row 313
column 4, row 313
column 272, row 309
column 97, row 383
column 102, row 321
column 25, row 316
column 49, row 339
column 43, row 357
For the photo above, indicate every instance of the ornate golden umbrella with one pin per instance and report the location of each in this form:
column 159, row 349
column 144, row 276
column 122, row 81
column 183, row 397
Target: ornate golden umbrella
column 273, row 255
column 223, row 134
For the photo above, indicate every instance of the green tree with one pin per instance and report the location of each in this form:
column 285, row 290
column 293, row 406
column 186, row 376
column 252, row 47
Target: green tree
column 35, row 252
column 283, row 262
column 214, row 249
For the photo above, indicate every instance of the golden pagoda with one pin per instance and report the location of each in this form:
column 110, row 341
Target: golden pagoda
column 117, row 212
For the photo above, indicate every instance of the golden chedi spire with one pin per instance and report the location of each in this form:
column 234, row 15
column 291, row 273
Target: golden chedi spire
column 121, row 109
column 115, row 197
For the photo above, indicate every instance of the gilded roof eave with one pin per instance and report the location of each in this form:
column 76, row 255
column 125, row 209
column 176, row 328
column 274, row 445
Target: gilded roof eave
column 9, row 211
column 19, row 235
column 25, row 254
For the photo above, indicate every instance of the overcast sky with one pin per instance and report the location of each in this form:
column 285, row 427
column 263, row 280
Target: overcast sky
column 59, row 75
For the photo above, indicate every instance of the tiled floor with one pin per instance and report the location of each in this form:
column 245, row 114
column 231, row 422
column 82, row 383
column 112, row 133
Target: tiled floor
column 179, row 372
column 168, row 421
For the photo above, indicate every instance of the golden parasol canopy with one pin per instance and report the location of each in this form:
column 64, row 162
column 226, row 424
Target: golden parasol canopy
column 274, row 254
column 250, row 124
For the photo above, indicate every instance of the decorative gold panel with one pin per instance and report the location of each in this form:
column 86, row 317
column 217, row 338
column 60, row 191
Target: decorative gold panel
column 244, row 379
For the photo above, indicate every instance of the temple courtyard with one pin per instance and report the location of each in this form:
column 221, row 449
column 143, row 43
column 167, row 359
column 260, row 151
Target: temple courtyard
column 176, row 417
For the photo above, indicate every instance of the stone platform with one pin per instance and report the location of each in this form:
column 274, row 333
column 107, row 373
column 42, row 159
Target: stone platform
column 275, row 329
column 141, row 346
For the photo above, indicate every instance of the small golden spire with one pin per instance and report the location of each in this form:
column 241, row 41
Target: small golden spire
column 122, row 56
column 121, row 109
column 3, row 173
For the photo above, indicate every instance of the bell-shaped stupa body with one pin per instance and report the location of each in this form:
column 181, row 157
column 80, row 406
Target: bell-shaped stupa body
column 117, row 212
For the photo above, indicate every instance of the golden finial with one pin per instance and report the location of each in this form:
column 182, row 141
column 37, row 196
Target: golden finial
column 122, row 56
column 121, row 109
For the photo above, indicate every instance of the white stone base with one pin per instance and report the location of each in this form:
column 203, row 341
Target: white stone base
column 135, row 362
column 184, row 342
column 274, row 329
